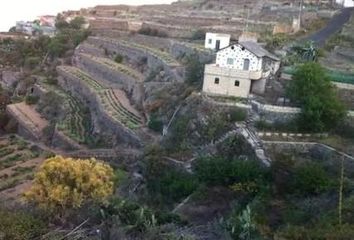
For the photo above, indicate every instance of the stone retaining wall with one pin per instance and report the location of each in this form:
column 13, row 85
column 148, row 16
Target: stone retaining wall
column 103, row 123
column 89, row 49
column 172, row 31
column 133, row 87
column 139, row 57
column 275, row 114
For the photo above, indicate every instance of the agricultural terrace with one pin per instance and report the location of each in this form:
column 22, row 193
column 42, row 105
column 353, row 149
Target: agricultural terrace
column 76, row 124
column 18, row 160
column 119, row 110
column 165, row 57
column 114, row 66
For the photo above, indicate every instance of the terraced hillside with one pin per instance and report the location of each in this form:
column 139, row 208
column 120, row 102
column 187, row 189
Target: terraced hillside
column 107, row 63
column 18, row 160
column 76, row 122
column 107, row 98
column 158, row 54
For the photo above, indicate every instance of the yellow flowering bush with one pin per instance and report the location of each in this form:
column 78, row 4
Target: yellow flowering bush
column 67, row 183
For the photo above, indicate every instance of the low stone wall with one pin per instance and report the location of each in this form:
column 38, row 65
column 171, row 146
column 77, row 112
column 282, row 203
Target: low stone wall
column 139, row 57
column 275, row 114
column 103, row 123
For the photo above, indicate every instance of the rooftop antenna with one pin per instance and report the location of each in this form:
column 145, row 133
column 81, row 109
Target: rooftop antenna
column 248, row 16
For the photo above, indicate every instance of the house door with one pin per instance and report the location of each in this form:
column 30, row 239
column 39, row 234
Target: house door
column 246, row 64
column 217, row 45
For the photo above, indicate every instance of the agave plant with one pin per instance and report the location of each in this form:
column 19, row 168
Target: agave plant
column 306, row 52
column 246, row 224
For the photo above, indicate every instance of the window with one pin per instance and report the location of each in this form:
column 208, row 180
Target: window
column 210, row 41
column 216, row 81
column 230, row 61
column 237, row 83
column 246, row 64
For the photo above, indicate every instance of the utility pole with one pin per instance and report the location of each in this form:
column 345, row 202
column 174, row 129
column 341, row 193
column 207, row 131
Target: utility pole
column 300, row 12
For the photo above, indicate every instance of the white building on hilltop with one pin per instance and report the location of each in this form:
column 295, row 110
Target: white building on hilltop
column 217, row 41
column 345, row 3
column 240, row 69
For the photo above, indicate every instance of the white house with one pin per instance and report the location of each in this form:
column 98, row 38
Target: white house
column 217, row 41
column 240, row 69
column 345, row 3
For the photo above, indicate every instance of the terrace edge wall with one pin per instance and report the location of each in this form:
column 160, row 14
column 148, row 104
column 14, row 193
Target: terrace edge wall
column 138, row 56
column 102, row 122
column 131, row 86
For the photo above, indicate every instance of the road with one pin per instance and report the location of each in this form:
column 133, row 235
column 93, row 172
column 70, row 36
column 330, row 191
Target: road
column 333, row 26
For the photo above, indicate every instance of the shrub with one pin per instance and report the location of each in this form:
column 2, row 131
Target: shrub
column 194, row 70
column 167, row 184
column 198, row 34
column 32, row 62
column 172, row 185
column 30, row 100
column 310, row 178
column 16, row 225
column 220, row 171
column 64, row 183
column 152, row 32
column 155, row 124
column 77, row 22
column 217, row 124
column 238, row 115
column 118, row 58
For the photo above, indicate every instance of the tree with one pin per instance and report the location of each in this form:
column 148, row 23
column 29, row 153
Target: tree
column 65, row 183
column 311, row 178
column 77, row 22
column 194, row 70
column 313, row 90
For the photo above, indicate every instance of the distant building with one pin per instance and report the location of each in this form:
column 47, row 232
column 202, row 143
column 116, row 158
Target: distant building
column 345, row 3
column 25, row 27
column 240, row 69
column 217, row 41
column 36, row 28
column 47, row 20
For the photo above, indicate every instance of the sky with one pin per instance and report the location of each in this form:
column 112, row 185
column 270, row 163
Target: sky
column 16, row 10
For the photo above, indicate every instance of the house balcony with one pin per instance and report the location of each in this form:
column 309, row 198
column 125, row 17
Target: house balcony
column 213, row 69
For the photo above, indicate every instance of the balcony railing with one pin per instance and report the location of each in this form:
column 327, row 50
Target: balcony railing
column 229, row 72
